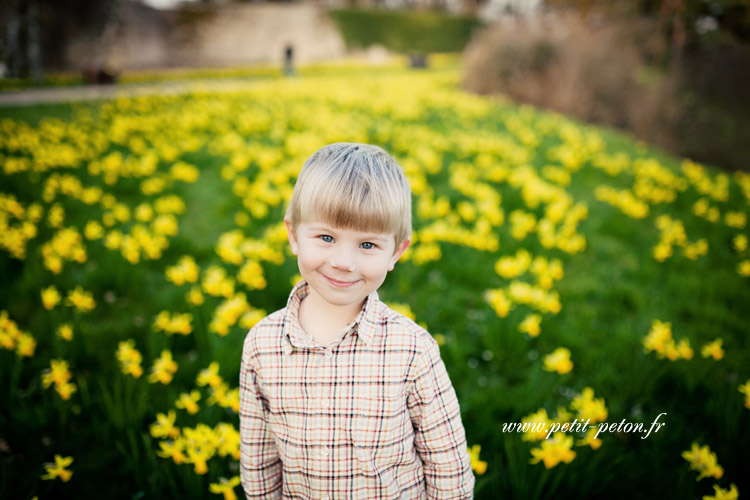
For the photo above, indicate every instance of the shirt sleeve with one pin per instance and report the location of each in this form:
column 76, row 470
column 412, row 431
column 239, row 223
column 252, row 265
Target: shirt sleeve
column 439, row 436
column 260, row 466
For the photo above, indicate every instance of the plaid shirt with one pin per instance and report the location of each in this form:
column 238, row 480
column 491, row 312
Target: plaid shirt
column 371, row 416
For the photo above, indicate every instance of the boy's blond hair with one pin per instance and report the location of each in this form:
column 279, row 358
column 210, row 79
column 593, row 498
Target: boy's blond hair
column 354, row 186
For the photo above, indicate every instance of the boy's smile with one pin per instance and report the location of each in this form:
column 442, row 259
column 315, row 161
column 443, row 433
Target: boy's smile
column 342, row 284
column 342, row 266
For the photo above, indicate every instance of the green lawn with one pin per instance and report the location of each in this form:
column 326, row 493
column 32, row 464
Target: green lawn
column 104, row 196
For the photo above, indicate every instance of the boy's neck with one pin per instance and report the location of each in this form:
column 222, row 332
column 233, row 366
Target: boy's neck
column 324, row 321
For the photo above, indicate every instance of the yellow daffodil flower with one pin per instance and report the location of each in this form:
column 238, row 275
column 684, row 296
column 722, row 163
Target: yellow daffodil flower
column 704, row 461
column 163, row 369
column 186, row 271
column 11, row 337
column 189, row 402
column 164, row 426
column 588, row 407
column 403, row 309
column 558, row 361
column 538, row 423
column 251, row 317
column 50, row 297
column 65, row 332
column 217, row 283
column 658, row 336
column 499, row 301
column 722, row 494
column 226, row 315
column 171, row 324
column 227, row 440
column 209, row 376
column 130, row 358
column 59, row 469
column 590, row 439
column 477, row 465
column 713, row 349
column 93, row 230
column 195, row 296
column 57, row 374
column 81, row 300
column 740, row 243
column 225, row 487
column 554, row 450
column 530, row 325
column 745, row 389
column 173, row 449
column 25, row 345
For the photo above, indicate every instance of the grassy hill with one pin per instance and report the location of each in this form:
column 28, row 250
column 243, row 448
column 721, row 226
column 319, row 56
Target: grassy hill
column 568, row 272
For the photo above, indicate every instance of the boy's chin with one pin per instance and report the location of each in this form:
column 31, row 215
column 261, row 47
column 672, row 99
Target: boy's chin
column 340, row 296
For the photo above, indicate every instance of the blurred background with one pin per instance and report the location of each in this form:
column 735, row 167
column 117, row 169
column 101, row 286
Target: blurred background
column 672, row 72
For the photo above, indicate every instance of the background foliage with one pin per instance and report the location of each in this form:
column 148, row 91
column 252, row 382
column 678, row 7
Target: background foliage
column 405, row 31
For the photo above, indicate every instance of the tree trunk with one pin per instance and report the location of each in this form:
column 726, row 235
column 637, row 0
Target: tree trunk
column 34, row 42
column 672, row 14
column 13, row 40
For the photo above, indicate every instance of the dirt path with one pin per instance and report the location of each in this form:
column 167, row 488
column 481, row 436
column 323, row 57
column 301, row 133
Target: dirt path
column 93, row 92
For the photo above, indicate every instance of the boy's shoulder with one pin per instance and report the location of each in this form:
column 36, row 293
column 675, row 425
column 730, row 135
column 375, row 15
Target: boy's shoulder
column 273, row 320
column 265, row 332
column 401, row 328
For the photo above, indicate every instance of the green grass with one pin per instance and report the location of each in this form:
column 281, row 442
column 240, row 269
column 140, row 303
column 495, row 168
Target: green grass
column 610, row 293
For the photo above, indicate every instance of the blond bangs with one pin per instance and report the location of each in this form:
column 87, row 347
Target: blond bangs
column 354, row 186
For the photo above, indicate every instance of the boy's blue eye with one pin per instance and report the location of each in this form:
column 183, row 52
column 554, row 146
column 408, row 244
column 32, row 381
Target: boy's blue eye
column 326, row 238
column 367, row 245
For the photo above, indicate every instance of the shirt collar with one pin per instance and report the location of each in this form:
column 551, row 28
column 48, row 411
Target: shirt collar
column 363, row 325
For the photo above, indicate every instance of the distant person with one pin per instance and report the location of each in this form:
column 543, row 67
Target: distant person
column 289, row 60
column 340, row 396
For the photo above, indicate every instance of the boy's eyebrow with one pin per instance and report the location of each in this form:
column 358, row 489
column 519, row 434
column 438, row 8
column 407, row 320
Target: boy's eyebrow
column 376, row 237
column 365, row 236
column 321, row 227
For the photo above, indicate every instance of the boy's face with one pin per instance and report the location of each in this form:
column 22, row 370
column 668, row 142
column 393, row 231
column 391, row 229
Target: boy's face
column 343, row 266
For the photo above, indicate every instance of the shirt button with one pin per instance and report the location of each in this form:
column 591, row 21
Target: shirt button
column 324, row 452
column 324, row 403
column 329, row 354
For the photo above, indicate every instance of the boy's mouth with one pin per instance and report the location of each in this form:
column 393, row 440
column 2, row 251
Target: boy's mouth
column 340, row 284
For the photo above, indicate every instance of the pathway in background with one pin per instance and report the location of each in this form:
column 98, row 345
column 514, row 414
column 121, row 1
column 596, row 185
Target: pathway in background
column 93, row 92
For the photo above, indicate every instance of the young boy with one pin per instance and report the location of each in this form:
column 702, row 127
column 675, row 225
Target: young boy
column 340, row 396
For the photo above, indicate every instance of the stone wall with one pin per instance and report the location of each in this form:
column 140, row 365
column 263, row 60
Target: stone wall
column 225, row 35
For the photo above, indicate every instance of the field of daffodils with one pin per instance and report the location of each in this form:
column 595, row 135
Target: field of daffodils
column 570, row 274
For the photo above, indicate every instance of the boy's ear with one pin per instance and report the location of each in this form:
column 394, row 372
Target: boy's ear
column 290, row 235
column 400, row 249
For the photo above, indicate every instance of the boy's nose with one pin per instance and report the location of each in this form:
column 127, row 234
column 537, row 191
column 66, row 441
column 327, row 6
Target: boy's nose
column 343, row 260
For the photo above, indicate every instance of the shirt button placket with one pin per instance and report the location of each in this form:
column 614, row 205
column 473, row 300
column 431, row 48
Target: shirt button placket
column 327, row 355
